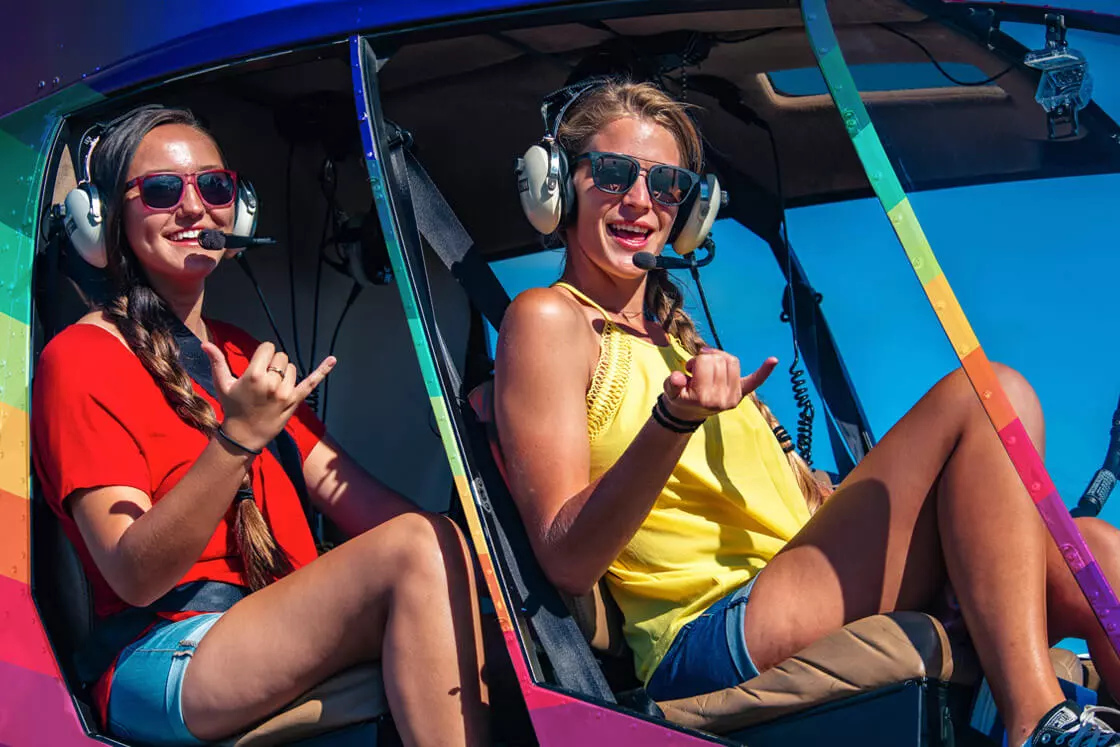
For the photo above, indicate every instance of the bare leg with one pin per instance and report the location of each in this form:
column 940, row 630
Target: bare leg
column 936, row 499
column 381, row 596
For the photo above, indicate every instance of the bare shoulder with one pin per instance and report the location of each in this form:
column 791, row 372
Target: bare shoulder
column 543, row 327
column 547, row 316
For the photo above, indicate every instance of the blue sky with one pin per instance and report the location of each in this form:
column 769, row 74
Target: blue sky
column 1036, row 266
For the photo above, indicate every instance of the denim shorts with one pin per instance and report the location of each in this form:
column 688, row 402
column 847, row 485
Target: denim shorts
column 145, row 698
column 708, row 654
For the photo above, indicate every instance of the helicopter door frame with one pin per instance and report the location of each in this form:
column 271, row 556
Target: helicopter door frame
column 555, row 714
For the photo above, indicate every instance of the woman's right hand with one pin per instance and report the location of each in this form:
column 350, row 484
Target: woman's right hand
column 711, row 385
column 258, row 404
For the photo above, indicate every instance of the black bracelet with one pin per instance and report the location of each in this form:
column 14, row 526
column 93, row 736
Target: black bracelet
column 226, row 437
column 670, row 421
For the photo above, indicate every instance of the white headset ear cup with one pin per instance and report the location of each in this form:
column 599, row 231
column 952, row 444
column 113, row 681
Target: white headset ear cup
column 85, row 224
column 702, row 216
column 542, row 198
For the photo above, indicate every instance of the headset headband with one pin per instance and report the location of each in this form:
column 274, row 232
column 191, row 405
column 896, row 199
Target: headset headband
column 568, row 95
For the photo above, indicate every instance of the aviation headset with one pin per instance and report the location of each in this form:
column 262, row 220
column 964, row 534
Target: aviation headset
column 84, row 218
column 548, row 196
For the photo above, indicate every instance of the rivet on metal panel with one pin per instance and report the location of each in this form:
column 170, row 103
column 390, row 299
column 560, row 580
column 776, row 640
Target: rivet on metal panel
column 987, row 394
column 917, row 262
column 42, row 85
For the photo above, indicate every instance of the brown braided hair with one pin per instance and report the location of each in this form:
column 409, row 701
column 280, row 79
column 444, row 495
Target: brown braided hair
column 617, row 99
column 146, row 323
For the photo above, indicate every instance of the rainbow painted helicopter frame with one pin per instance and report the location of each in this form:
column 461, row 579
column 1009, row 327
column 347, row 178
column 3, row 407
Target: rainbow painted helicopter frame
column 233, row 64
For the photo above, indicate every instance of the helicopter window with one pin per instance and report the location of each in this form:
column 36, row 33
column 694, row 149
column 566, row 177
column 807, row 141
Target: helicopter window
column 808, row 81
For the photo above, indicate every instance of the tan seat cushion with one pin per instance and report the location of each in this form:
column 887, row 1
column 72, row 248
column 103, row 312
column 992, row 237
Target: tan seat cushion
column 865, row 655
column 350, row 697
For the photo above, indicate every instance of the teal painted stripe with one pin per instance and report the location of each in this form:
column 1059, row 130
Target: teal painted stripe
column 16, row 251
column 840, row 83
column 878, row 167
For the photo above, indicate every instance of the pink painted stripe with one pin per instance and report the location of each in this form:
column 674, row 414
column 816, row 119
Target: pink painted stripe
column 1027, row 463
column 583, row 723
column 37, row 710
column 23, row 642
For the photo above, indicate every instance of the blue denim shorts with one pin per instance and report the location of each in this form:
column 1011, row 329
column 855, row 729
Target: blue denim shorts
column 708, row 654
column 145, row 698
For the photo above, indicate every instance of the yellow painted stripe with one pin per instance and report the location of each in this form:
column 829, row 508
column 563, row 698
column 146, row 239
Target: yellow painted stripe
column 14, row 343
column 952, row 317
column 14, row 455
column 14, row 537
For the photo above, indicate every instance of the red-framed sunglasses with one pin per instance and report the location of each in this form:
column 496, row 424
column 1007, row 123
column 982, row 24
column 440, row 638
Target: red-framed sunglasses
column 164, row 190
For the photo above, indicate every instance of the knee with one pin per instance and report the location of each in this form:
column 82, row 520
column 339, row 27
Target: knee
column 1019, row 392
column 1025, row 401
column 428, row 551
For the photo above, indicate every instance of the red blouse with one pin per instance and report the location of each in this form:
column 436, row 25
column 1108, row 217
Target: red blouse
column 98, row 418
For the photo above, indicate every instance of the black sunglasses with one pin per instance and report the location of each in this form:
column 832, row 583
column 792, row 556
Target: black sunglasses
column 164, row 190
column 616, row 173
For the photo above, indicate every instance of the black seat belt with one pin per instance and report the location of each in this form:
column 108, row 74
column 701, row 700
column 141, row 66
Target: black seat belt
column 426, row 212
column 441, row 228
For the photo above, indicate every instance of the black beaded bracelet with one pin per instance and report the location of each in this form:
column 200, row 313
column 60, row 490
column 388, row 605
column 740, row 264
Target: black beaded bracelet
column 226, row 437
column 670, row 421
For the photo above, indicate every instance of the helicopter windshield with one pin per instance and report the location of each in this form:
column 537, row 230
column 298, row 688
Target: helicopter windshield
column 1030, row 254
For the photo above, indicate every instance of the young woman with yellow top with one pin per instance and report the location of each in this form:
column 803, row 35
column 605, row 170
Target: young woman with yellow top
column 638, row 453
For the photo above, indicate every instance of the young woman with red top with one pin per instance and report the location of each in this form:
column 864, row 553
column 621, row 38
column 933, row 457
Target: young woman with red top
column 149, row 475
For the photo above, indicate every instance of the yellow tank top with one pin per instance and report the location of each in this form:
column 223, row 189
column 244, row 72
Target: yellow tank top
column 731, row 503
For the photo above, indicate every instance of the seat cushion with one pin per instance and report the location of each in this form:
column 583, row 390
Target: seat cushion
column 862, row 656
column 350, row 697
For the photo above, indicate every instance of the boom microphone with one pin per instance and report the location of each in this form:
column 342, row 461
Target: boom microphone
column 211, row 238
column 650, row 261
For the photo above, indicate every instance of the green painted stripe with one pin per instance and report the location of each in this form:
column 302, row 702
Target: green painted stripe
column 914, row 241
column 16, row 251
column 15, row 342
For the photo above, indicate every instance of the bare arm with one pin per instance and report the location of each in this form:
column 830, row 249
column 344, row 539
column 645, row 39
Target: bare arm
column 576, row 528
column 142, row 549
column 348, row 495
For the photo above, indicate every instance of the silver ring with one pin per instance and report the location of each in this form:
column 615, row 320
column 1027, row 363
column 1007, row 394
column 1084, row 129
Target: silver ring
column 275, row 369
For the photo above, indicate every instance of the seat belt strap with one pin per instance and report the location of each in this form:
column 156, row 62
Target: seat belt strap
column 112, row 634
column 441, row 228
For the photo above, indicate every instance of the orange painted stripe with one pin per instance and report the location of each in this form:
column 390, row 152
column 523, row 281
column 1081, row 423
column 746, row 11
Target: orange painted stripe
column 992, row 396
column 15, row 459
column 14, row 534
